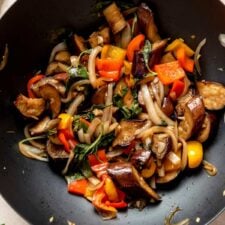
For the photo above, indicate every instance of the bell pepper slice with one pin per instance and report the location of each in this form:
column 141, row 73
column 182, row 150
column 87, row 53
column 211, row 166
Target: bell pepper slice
column 135, row 45
column 114, row 75
column 66, row 121
column 177, row 43
column 63, row 139
column 113, row 52
column 32, row 81
column 78, row 187
column 177, row 89
column 169, row 72
column 98, row 158
column 184, row 60
column 110, row 190
column 109, row 64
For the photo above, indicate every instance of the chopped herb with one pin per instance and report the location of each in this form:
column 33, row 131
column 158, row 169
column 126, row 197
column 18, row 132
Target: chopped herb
column 78, row 124
column 85, row 169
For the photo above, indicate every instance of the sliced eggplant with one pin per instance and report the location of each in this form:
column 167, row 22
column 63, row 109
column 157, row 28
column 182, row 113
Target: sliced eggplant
column 194, row 113
column 99, row 95
column 129, row 179
column 161, row 144
column 139, row 158
column 127, row 132
column 30, row 107
column 167, row 106
column 50, row 93
column 79, row 43
column 146, row 22
column 213, row 94
column 63, row 56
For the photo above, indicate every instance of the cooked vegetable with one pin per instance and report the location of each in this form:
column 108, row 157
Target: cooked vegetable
column 213, row 94
column 4, row 58
column 118, row 115
column 195, row 154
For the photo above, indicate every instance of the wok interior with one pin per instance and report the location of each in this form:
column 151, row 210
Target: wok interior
column 30, row 42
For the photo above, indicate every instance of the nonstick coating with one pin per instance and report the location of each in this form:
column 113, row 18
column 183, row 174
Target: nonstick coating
column 33, row 189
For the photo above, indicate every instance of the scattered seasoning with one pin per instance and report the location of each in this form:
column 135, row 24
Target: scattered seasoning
column 224, row 193
column 222, row 39
column 4, row 167
column 193, row 36
column 10, row 131
column 70, row 223
column 23, row 171
column 220, row 69
column 197, row 219
column 51, row 219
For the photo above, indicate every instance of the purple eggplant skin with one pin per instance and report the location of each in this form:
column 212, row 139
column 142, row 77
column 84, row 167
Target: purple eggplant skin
column 138, row 68
column 140, row 158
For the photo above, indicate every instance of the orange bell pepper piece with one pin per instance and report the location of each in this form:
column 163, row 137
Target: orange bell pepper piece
column 135, row 45
column 32, row 81
column 114, row 75
column 110, row 190
column 78, row 187
column 113, row 52
column 184, row 60
column 169, row 72
column 109, row 64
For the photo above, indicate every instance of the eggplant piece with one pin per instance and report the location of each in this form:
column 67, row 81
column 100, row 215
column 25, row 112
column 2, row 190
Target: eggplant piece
column 99, row 95
column 156, row 53
column 146, row 22
column 63, row 56
column 79, row 43
column 127, row 132
column 182, row 101
column 105, row 34
column 51, row 81
column 53, row 68
column 30, row 107
column 44, row 125
column 167, row 106
column 138, row 67
column 213, row 94
column 161, row 144
column 114, row 18
column 207, row 127
column 129, row 179
column 49, row 93
column 139, row 158
column 194, row 113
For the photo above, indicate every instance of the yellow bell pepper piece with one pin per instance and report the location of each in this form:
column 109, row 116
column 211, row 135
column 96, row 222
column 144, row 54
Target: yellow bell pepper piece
column 195, row 153
column 110, row 190
column 114, row 52
column 66, row 121
column 177, row 43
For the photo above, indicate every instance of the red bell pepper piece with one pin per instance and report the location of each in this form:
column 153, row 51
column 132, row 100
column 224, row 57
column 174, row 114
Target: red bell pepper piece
column 169, row 72
column 78, row 186
column 98, row 158
column 32, row 81
column 117, row 205
column 129, row 148
column 109, row 64
column 177, row 89
column 114, row 75
column 135, row 45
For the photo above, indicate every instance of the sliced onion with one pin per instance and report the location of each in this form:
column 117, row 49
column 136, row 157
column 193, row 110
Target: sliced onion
column 4, row 58
column 114, row 153
column 173, row 158
column 126, row 36
column 162, row 115
column 113, row 126
column 32, row 140
column 107, row 111
column 91, row 65
column 58, row 48
column 197, row 55
column 80, row 134
column 87, row 138
column 161, row 171
column 94, row 180
column 159, row 129
column 184, row 156
column 69, row 160
column 72, row 110
column 145, row 127
column 222, row 39
column 167, row 178
column 32, row 152
column 92, row 127
column 150, row 105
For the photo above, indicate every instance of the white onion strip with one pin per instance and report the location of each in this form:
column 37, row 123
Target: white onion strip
column 91, row 65
column 72, row 110
column 150, row 105
column 184, row 156
column 173, row 158
column 58, row 48
column 163, row 116
column 92, row 127
column 197, row 55
column 69, row 160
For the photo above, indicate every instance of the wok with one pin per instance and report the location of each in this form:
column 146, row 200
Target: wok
column 33, row 189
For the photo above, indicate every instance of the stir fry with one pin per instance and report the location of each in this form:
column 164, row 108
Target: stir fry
column 121, row 111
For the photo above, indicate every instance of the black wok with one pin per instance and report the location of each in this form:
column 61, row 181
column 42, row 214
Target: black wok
column 37, row 192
